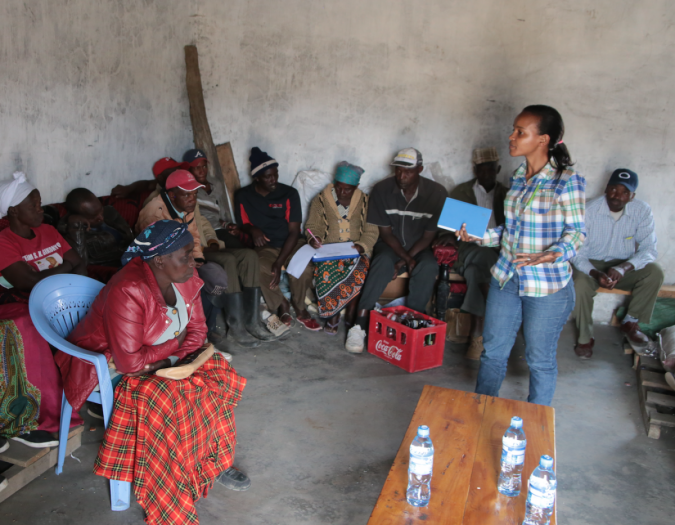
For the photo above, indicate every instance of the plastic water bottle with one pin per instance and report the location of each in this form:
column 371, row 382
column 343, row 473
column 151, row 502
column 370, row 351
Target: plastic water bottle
column 420, row 468
column 541, row 494
column 513, row 458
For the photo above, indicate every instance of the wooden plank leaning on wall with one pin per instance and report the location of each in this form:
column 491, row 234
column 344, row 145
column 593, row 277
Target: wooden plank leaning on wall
column 202, row 132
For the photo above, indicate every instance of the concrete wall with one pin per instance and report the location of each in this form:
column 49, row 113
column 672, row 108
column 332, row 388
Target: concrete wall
column 99, row 88
column 92, row 92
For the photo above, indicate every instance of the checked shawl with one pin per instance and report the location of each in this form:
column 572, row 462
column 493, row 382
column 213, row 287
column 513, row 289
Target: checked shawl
column 172, row 438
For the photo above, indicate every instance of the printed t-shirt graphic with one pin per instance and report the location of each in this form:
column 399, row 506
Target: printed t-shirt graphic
column 44, row 251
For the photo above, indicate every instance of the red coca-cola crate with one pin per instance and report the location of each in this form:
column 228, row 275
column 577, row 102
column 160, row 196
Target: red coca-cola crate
column 408, row 348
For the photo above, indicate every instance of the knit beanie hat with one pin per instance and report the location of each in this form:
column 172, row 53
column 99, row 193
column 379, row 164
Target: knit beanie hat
column 260, row 161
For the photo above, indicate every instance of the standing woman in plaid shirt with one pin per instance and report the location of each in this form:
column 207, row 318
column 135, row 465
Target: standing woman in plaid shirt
column 532, row 280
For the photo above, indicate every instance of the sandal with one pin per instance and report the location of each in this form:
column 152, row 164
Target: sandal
column 282, row 316
column 234, row 479
column 331, row 329
column 275, row 326
column 310, row 323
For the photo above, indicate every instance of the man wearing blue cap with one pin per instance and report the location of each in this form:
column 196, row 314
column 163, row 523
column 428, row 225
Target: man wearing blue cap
column 619, row 252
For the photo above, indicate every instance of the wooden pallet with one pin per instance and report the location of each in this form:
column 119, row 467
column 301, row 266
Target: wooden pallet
column 654, row 394
column 29, row 463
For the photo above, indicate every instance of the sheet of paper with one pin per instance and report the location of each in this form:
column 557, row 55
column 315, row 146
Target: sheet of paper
column 300, row 260
column 337, row 250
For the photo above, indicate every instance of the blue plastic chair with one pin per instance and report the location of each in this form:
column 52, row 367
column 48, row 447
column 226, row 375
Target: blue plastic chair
column 56, row 305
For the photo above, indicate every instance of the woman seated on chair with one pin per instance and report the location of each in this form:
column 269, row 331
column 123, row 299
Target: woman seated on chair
column 171, row 438
column 338, row 214
column 30, row 384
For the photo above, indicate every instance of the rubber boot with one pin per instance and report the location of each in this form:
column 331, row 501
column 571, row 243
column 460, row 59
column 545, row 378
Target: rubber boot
column 252, row 315
column 234, row 317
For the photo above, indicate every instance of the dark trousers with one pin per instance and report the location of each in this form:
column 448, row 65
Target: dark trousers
column 210, row 311
column 477, row 263
column 421, row 284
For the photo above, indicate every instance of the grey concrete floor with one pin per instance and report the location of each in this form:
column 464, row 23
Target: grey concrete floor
column 318, row 430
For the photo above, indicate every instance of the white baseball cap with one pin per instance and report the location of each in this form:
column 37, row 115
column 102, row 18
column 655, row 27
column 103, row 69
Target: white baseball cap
column 407, row 158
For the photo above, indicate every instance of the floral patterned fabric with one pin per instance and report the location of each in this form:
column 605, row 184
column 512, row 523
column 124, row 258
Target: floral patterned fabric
column 338, row 282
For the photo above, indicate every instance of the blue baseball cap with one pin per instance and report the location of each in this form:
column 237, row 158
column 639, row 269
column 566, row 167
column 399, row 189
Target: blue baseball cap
column 626, row 177
column 193, row 155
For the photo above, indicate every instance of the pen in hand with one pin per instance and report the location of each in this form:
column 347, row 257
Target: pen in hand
column 313, row 237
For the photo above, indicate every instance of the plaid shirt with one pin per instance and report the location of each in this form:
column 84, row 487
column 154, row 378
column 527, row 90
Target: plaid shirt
column 544, row 214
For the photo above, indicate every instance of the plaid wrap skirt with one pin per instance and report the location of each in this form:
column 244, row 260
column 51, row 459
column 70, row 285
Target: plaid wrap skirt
column 172, row 438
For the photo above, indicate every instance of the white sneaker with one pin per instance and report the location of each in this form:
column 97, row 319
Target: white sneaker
column 227, row 356
column 670, row 379
column 355, row 339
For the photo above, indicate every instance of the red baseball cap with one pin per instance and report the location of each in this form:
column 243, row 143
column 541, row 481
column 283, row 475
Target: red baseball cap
column 165, row 164
column 184, row 180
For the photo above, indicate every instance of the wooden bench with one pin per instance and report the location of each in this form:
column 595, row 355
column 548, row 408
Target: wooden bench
column 667, row 291
column 467, row 431
column 657, row 399
column 29, row 463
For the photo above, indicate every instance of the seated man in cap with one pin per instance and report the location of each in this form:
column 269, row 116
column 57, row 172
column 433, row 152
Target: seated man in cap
column 179, row 202
column 196, row 162
column 405, row 208
column 270, row 213
column 619, row 252
column 474, row 261
column 241, row 264
column 106, row 234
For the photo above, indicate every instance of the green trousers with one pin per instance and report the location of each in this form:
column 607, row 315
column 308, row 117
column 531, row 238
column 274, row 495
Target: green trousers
column 644, row 285
column 241, row 265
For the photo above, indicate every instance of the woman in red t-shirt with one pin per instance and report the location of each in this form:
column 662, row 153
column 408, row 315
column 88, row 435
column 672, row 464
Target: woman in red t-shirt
column 29, row 379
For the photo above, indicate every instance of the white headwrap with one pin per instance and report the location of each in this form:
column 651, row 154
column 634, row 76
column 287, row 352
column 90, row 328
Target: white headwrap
column 14, row 192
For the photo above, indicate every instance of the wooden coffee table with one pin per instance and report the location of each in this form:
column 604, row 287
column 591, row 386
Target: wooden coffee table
column 466, row 430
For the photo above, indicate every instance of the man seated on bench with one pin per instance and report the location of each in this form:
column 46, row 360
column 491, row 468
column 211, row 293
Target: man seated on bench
column 105, row 233
column 619, row 252
column 474, row 262
column 405, row 208
column 270, row 213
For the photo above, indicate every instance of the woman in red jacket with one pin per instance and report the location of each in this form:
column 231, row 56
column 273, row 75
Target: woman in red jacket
column 171, row 438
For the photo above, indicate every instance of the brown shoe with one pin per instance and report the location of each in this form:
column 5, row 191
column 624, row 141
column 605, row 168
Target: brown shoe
column 584, row 351
column 632, row 331
column 475, row 348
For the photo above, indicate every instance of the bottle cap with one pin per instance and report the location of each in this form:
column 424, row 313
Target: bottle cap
column 423, row 431
column 546, row 462
column 516, row 422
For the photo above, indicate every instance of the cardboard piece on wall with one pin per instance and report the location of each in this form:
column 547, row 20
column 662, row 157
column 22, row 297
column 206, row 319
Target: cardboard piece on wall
column 229, row 169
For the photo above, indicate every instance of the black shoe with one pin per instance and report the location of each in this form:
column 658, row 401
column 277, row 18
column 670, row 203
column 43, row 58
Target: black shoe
column 234, row 317
column 234, row 479
column 37, row 439
column 252, row 315
column 95, row 410
column 3, row 483
column 4, row 444
column 216, row 337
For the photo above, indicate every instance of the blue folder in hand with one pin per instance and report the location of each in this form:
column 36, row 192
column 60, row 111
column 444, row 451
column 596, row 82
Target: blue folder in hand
column 455, row 213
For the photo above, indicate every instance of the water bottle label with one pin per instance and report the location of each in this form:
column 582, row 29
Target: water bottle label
column 513, row 451
column 513, row 457
column 421, row 466
column 543, row 499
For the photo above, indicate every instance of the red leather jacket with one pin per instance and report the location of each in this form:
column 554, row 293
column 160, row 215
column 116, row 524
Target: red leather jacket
column 127, row 317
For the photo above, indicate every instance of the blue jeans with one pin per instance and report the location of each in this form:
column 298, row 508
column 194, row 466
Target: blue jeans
column 542, row 319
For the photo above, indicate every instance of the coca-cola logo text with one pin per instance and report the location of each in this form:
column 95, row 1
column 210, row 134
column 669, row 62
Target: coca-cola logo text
column 392, row 352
